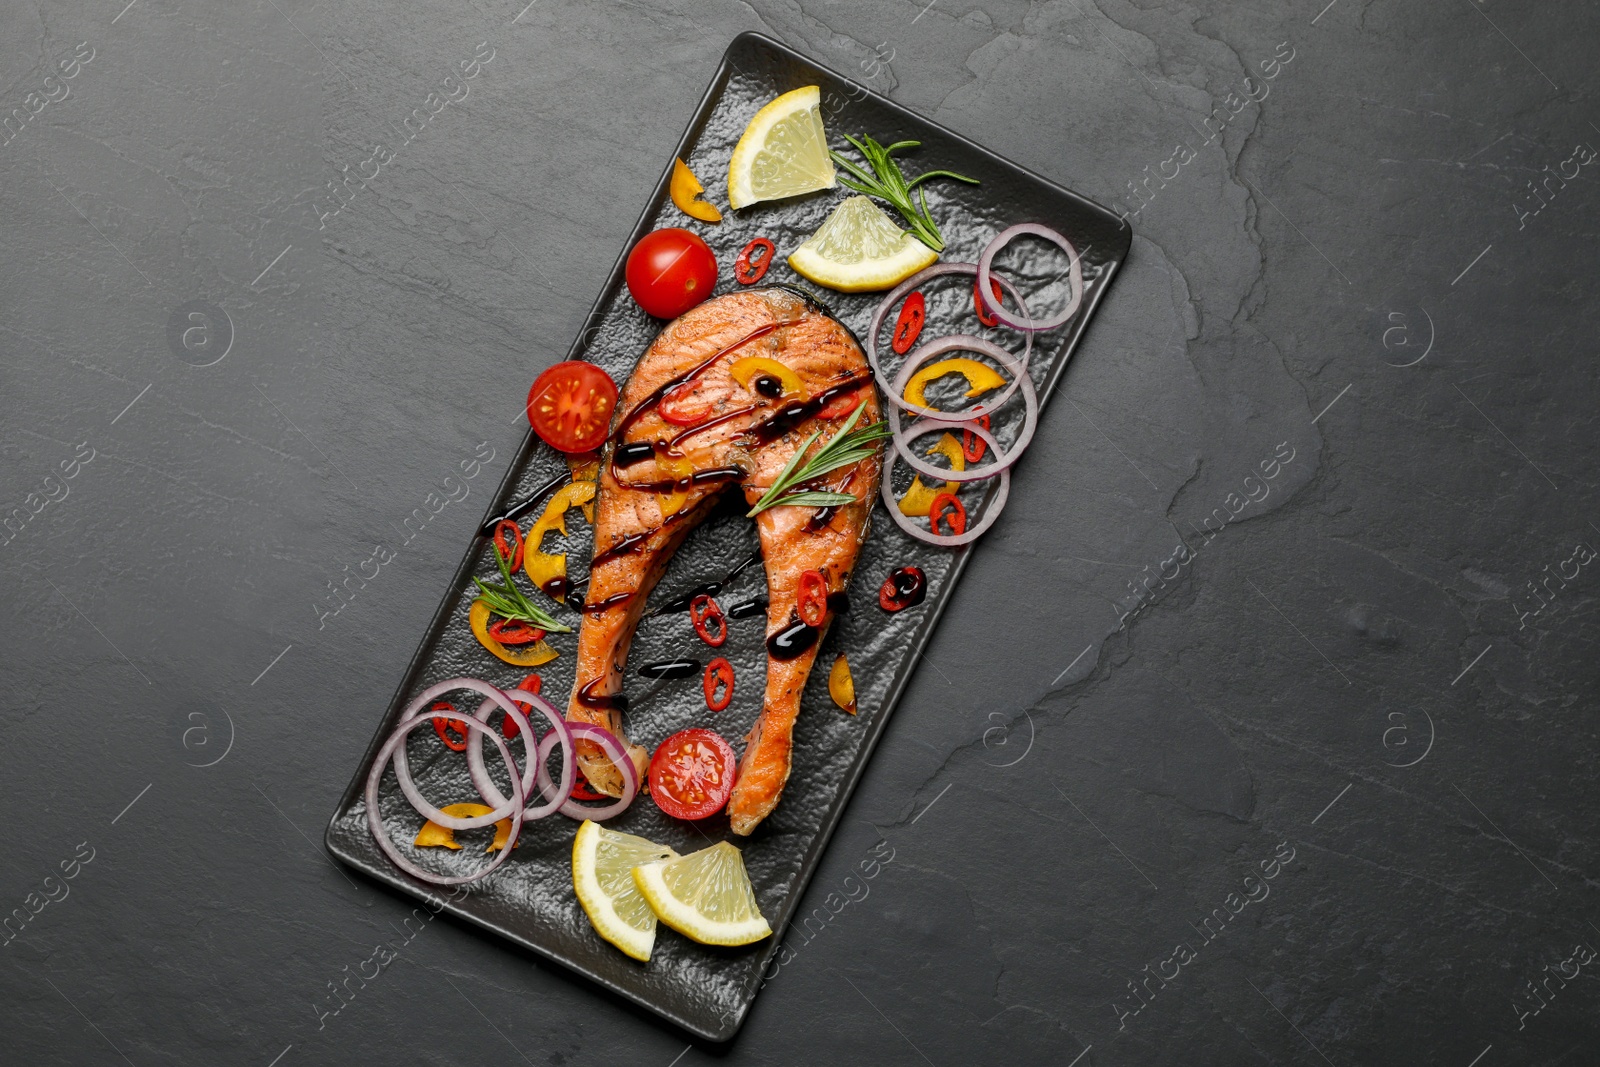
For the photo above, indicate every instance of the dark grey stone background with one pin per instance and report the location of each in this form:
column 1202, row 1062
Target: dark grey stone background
column 1356, row 666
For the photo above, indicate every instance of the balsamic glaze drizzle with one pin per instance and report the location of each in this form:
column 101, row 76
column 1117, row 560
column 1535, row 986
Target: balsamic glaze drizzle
column 623, row 546
column 672, row 445
column 609, row 701
column 708, row 589
column 671, row 668
column 666, row 387
column 793, row 641
column 523, row 506
column 609, row 602
column 794, row 413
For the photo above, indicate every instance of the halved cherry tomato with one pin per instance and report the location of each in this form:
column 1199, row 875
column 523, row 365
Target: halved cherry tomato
column 514, row 632
column 908, row 327
column 983, row 310
column 505, row 530
column 571, row 404
column 670, row 271
column 843, row 404
column 709, row 621
column 682, row 407
column 691, row 774
column 972, row 446
column 813, row 599
column 752, row 264
column 957, row 517
column 440, row 726
column 719, row 674
column 532, row 684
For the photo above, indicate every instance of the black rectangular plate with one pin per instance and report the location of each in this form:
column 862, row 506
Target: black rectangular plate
column 530, row 900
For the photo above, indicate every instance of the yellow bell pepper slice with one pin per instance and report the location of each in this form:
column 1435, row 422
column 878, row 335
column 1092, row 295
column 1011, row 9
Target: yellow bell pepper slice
column 745, row 371
column 585, row 467
column 672, row 503
column 535, row 655
column 686, row 189
column 981, row 378
column 541, row 566
column 434, row 835
column 841, row 687
column 918, row 500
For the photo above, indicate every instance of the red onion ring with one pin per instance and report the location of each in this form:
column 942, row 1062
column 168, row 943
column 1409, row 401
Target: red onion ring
column 1074, row 276
column 889, row 302
column 402, row 766
column 991, row 513
column 393, row 747
column 616, row 754
column 1002, row 460
column 534, row 771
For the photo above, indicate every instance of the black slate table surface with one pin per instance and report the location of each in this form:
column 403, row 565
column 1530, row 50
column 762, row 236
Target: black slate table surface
column 1261, row 730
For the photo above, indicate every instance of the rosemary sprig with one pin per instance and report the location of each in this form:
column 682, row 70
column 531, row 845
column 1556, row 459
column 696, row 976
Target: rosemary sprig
column 511, row 602
column 888, row 183
column 848, row 446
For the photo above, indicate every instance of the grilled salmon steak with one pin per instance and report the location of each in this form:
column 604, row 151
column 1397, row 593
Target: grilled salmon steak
column 725, row 396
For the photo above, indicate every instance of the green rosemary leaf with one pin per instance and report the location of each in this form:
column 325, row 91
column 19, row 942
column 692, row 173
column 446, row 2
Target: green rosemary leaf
column 815, row 498
column 509, row 601
column 888, row 182
column 847, row 446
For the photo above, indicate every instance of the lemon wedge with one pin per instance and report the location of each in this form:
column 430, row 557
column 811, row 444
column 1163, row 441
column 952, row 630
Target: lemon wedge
column 859, row 250
column 783, row 152
column 602, row 865
column 705, row 896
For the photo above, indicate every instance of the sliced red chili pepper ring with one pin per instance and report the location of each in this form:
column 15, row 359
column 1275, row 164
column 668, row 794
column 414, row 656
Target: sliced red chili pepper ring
column 957, row 517
column 514, row 554
column 986, row 316
column 904, row 588
column 441, row 725
column 582, row 790
column 908, row 327
column 812, row 601
column 515, row 632
column 709, row 621
column 843, row 404
column 531, row 684
column 685, row 406
column 972, row 446
column 752, row 264
column 719, row 674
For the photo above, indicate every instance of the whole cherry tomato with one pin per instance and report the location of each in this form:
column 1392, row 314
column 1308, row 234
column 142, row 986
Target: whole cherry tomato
column 670, row 271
